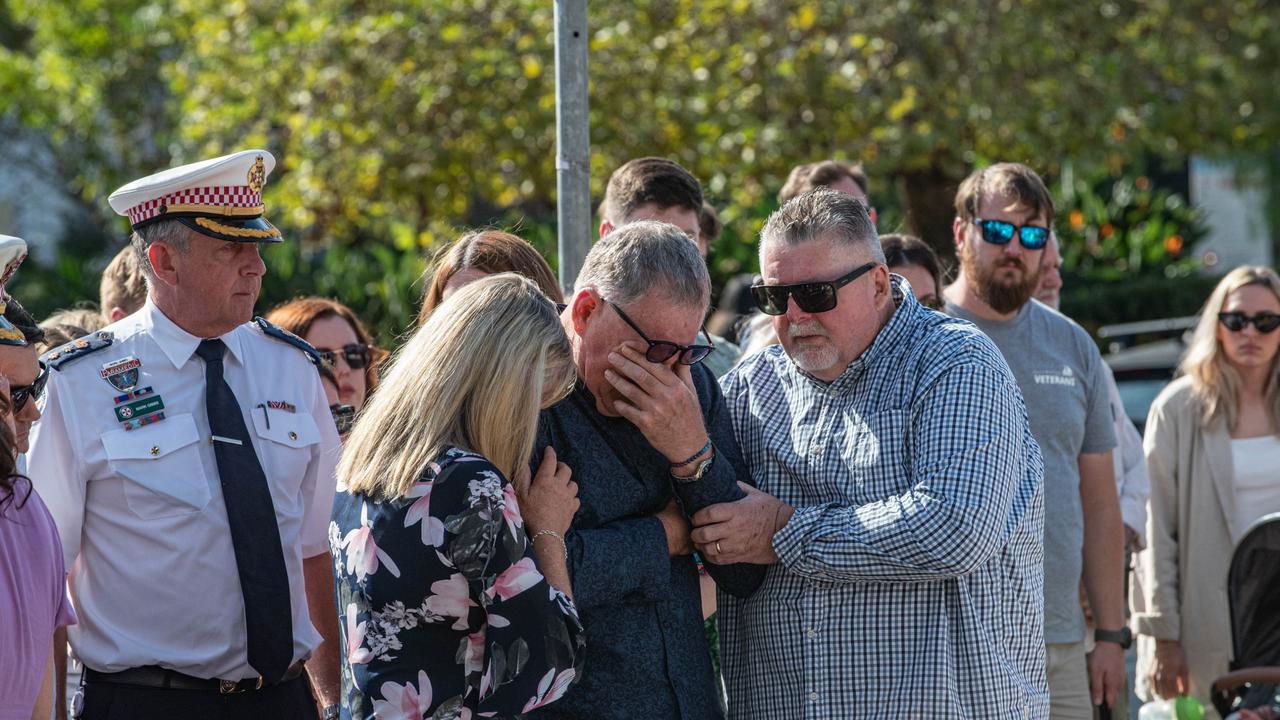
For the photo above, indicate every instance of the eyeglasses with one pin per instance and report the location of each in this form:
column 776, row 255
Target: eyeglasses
column 1265, row 322
column 814, row 297
column 356, row 354
column 20, row 394
column 661, row 351
column 999, row 232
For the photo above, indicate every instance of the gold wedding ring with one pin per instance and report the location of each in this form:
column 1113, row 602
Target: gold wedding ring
column 718, row 550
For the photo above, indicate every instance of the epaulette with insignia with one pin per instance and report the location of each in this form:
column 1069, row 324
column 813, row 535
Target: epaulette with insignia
column 285, row 336
column 77, row 349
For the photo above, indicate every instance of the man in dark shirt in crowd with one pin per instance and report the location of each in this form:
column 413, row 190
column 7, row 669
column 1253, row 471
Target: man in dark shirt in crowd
column 649, row 441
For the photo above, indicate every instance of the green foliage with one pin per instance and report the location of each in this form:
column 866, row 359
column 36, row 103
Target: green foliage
column 1094, row 300
column 396, row 122
column 379, row 282
column 1119, row 226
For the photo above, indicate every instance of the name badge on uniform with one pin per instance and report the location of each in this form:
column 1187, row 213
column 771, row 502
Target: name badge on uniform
column 139, row 408
column 122, row 373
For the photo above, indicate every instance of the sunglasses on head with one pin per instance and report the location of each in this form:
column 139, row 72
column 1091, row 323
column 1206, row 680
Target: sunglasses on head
column 660, row 351
column 356, row 354
column 1265, row 322
column 999, row 232
column 20, row 394
column 813, row 297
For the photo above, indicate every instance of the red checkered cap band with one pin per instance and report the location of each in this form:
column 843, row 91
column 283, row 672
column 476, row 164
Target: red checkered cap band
column 241, row 196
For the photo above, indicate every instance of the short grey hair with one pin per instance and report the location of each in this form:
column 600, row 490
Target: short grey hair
column 645, row 256
column 170, row 232
column 823, row 213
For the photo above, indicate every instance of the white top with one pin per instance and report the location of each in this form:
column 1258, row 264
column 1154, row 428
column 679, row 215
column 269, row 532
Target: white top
column 1257, row 469
column 140, row 512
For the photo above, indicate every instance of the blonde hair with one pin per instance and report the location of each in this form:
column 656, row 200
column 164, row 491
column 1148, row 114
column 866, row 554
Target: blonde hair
column 1214, row 381
column 474, row 376
column 123, row 285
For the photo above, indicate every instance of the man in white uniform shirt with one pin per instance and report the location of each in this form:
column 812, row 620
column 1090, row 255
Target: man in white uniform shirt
column 187, row 456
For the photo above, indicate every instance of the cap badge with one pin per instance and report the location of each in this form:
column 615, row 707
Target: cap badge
column 257, row 175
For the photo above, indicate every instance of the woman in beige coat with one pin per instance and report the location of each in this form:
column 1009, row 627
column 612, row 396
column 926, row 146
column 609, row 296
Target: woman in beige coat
column 1212, row 446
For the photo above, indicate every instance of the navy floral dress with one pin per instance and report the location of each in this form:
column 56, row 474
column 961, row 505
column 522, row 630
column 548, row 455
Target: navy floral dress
column 443, row 612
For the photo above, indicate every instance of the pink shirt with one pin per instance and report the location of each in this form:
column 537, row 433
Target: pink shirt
column 33, row 597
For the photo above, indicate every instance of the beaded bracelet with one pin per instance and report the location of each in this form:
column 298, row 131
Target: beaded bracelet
column 555, row 535
column 695, row 456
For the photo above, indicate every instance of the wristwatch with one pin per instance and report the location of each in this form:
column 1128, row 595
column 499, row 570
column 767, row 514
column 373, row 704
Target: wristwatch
column 1122, row 637
column 331, row 712
column 701, row 470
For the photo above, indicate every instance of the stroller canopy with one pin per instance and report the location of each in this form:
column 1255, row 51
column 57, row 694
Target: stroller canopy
column 1253, row 591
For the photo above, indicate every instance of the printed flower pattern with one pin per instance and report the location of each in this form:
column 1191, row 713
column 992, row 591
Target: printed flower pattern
column 446, row 615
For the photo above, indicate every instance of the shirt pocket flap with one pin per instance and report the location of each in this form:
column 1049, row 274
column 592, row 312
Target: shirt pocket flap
column 151, row 442
column 291, row 429
column 161, row 458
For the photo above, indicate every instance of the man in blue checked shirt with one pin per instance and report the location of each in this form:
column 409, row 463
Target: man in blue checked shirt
column 899, row 497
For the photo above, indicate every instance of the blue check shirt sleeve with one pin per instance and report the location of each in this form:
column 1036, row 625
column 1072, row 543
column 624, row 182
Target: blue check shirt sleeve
column 968, row 434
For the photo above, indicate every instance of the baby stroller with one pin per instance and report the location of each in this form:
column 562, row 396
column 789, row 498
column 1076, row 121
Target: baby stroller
column 1253, row 592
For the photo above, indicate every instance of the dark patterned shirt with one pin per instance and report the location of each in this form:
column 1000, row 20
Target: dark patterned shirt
column 444, row 613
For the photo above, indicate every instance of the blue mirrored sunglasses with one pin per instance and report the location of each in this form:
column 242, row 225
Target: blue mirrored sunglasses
column 999, row 232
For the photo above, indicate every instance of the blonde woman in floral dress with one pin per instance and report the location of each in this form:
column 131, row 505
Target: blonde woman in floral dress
column 448, row 551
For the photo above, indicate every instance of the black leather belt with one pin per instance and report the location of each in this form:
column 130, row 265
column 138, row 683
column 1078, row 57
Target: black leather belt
column 158, row 677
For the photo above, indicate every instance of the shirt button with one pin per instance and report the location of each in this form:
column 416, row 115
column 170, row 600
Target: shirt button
column 816, row 448
column 155, row 450
column 812, row 633
column 293, row 435
column 813, row 696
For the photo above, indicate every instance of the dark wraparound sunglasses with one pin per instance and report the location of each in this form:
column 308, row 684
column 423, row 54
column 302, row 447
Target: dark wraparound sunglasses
column 999, row 232
column 661, row 351
column 20, row 394
column 356, row 355
column 1265, row 322
column 813, row 297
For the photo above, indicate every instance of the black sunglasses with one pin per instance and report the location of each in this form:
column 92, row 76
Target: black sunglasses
column 356, row 355
column 999, row 232
column 20, row 394
column 813, row 297
column 1265, row 322
column 661, row 351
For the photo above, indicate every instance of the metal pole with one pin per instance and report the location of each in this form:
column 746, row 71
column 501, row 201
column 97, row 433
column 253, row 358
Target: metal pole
column 573, row 139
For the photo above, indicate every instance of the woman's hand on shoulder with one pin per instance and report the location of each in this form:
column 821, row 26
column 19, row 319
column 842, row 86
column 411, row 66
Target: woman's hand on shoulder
column 548, row 498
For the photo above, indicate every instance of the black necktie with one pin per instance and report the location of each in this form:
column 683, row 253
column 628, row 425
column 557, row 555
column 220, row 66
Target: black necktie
column 251, row 515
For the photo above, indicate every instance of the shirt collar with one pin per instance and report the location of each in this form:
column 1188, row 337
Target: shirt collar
column 177, row 344
column 906, row 308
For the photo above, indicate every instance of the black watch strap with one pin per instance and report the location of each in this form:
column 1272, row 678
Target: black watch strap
column 1122, row 637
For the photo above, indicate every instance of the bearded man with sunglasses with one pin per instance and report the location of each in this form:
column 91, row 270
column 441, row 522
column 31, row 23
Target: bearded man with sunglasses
column 1003, row 216
column 899, row 498
column 647, row 436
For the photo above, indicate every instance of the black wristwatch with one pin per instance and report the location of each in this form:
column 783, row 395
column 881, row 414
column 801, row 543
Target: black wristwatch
column 1122, row 637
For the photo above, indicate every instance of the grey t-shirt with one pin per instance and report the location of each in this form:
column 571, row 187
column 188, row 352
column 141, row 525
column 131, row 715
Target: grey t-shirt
column 1063, row 381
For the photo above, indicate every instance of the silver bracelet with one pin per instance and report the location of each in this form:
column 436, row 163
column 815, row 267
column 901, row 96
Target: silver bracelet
column 555, row 535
